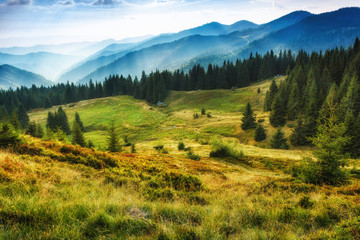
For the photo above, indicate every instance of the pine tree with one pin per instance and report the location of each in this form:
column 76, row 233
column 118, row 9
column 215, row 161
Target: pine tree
column 260, row 133
column 248, row 120
column 330, row 141
column 77, row 135
column 31, row 129
column 62, row 121
column 278, row 140
column 4, row 115
column 270, row 95
column 23, row 116
column 113, row 138
column 79, row 122
column 294, row 105
column 14, row 120
column 278, row 112
column 299, row 136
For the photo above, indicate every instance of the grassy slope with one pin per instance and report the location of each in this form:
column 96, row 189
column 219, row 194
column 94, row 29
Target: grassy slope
column 148, row 126
column 57, row 191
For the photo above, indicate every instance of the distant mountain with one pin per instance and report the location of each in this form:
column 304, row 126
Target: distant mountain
column 116, row 51
column 49, row 65
column 166, row 56
column 13, row 77
column 171, row 56
column 312, row 33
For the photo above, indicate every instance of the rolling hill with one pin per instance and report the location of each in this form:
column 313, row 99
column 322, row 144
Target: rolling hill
column 12, row 77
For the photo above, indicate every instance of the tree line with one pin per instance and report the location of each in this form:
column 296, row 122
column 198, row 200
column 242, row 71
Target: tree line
column 153, row 87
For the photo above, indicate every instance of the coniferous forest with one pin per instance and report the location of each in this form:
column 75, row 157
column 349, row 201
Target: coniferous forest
column 320, row 85
column 154, row 86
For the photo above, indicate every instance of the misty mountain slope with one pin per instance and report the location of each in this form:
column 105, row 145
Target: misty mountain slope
column 13, row 77
column 115, row 51
column 315, row 33
column 49, row 65
column 165, row 56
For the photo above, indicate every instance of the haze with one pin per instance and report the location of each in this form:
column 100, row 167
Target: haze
column 33, row 22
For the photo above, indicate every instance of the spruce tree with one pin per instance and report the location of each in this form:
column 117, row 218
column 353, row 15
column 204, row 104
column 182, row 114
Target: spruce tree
column 278, row 140
column 113, row 138
column 77, row 135
column 23, row 116
column 4, row 115
column 62, row 121
column 278, row 112
column 31, row 129
column 260, row 133
column 330, row 141
column 299, row 136
column 270, row 95
column 14, row 120
column 79, row 122
column 294, row 105
column 248, row 120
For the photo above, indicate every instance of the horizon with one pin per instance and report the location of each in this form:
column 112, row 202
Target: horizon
column 26, row 23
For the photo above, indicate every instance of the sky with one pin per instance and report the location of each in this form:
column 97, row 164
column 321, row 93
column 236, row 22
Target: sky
column 33, row 22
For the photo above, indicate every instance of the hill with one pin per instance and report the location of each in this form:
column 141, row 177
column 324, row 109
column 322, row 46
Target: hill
column 52, row 189
column 13, row 77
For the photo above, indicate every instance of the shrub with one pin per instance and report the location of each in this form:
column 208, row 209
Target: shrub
column 8, row 136
column 193, row 156
column 308, row 171
column 306, row 202
column 203, row 111
column 159, row 147
column 195, row 115
column 221, row 148
column 278, row 140
column 181, row 146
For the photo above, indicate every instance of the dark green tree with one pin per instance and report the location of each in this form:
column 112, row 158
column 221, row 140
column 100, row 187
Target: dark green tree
column 14, row 120
column 260, row 133
column 270, row 95
column 299, row 136
column 79, row 122
column 4, row 115
column 248, row 120
column 330, row 141
column 278, row 112
column 278, row 140
column 23, row 116
column 77, row 135
column 113, row 138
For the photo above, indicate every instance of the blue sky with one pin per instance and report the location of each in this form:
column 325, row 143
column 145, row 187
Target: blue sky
column 31, row 22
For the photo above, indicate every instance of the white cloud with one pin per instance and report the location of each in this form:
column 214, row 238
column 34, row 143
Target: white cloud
column 105, row 2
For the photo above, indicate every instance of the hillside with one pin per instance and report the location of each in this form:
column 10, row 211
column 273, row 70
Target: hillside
column 148, row 126
column 52, row 189
column 13, row 77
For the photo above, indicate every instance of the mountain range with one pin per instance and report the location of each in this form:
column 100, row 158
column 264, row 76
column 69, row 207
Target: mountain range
column 12, row 77
column 209, row 43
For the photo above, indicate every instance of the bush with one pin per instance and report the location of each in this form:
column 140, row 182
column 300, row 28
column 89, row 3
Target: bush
column 193, row 156
column 8, row 136
column 221, row 148
column 181, row 146
column 195, row 115
column 203, row 111
column 159, row 147
column 308, row 171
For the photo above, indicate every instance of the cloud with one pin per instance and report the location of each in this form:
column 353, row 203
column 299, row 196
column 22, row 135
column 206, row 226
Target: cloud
column 66, row 2
column 18, row 2
column 105, row 2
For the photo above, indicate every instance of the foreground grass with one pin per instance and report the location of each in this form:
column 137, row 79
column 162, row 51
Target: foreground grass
column 58, row 191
